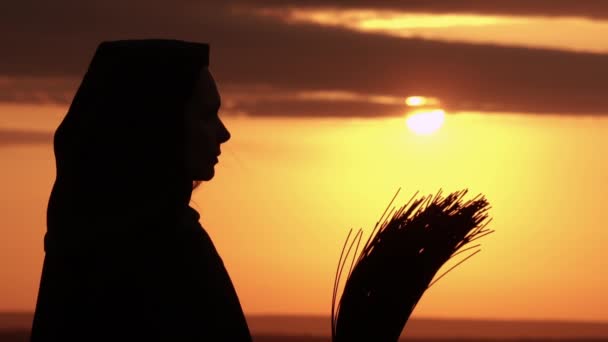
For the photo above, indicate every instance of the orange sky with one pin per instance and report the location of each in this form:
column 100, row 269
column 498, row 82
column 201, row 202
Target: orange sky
column 287, row 190
column 301, row 183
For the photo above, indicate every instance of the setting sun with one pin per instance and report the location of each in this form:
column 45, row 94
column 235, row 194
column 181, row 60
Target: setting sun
column 425, row 122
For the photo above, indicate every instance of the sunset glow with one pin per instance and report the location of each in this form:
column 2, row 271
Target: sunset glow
column 421, row 101
column 426, row 122
column 301, row 233
column 415, row 101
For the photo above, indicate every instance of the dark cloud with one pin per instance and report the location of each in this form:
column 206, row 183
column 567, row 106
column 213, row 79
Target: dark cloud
column 10, row 137
column 317, row 108
column 55, row 40
column 37, row 90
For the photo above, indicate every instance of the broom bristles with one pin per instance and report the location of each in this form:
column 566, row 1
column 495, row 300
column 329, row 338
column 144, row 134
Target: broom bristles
column 399, row 261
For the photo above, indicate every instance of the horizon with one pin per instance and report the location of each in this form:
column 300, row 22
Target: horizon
column 417, row 327
column 412, row 318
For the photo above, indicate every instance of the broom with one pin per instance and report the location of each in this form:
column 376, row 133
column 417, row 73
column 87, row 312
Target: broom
column 399, row 261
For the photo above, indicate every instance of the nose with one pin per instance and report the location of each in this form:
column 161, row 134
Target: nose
column 223, row 133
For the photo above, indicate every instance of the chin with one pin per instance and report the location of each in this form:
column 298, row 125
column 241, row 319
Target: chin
column 204, row 175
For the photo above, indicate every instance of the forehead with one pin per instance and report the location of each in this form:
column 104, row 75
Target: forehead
column 206, row 90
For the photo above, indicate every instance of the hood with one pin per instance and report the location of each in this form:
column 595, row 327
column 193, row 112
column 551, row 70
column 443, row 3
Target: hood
column 120, row 162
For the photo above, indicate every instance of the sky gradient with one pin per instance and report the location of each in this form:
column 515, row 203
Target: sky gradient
column 313, row 95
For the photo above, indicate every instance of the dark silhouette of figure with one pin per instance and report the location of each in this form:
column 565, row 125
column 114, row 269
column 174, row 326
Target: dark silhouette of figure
column 126, row 257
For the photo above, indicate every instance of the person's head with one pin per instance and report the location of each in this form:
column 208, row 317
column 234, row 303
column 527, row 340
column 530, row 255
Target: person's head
column 205, row 131
column 142, row 127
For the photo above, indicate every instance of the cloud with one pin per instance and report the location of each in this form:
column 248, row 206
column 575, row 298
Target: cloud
column 314, row 108
column 545, row 8
column 40, row 90
column 10, row 137
column 57, row 39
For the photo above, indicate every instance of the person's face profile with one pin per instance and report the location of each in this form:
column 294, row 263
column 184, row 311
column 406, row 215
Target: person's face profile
column 205, row 131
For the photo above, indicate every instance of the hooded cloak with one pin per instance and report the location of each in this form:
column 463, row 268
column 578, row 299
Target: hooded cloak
column 125, row 255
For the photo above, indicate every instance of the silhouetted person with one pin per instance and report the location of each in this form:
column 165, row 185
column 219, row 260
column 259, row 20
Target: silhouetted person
column 126, row 257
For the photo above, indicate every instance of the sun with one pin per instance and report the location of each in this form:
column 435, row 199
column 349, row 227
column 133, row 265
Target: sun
column 425, row 122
